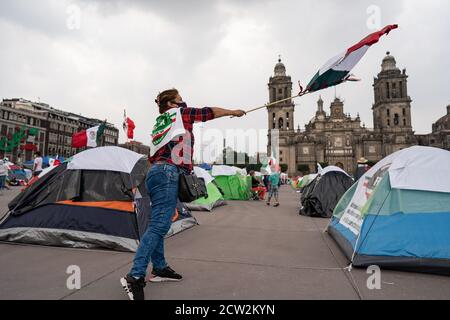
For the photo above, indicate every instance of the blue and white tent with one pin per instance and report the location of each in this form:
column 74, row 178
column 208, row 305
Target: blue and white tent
column 398, row 214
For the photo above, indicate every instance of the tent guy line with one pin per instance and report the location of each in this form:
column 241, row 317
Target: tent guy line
column 349, row 277
column 256, row 264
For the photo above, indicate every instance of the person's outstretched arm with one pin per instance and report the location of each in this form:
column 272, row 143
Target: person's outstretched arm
column 206, row 114
column 220, row 112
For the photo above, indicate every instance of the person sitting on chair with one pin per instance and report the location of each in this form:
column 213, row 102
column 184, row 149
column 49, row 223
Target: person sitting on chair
column 257, row 187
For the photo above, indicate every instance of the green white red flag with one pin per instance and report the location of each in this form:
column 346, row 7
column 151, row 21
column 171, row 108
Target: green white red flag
column 88, row 138
column 337, row 69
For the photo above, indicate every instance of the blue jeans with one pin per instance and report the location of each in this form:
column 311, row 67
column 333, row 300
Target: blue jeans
column 2, row 182
column 273, row 191
column 162, row 186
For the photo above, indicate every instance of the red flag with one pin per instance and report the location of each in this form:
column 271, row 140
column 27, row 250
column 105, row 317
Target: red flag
column 130, row 128
column 79, row 139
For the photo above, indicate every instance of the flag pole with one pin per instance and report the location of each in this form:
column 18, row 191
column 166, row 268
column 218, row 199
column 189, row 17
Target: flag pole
column 301, row 93
column 275, row 103
column 125, row 125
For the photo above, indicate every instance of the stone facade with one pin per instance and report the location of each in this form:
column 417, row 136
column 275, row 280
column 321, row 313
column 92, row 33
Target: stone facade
column 137, row 147
column 55, row 127
column 440, row 135
column 337, row 137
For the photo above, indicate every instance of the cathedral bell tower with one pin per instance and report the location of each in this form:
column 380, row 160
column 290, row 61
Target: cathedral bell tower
column 281, row 118
column 281, row 115
column 392, row 107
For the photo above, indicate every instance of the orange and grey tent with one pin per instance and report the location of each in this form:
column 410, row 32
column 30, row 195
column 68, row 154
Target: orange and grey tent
column 97, row 200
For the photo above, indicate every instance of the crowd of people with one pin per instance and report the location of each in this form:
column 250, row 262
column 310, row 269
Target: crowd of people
column 266, row 187
column 6, row 176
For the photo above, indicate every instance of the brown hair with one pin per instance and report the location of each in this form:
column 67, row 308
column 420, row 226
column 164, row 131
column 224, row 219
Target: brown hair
column 164, row 98
column 340, row 165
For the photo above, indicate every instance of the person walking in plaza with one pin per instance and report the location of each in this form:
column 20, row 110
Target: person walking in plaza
column 274, row 186
column 3, row 175
column 37, row 166
column 361, row 168
column 171, row 159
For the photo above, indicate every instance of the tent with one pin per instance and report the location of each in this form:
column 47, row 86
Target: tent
column 320, row 197
column 398, row 214
column 301, row 182
column 205, row 166
column 215, row 197
column 233, row 182
column 98, row 200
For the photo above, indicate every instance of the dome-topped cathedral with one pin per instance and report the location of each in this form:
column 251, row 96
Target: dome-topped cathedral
column 336, row 136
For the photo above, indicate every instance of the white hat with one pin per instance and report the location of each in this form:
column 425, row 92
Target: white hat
column 363, row 160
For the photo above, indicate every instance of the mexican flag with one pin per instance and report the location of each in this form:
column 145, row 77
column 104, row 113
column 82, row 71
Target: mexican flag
column 88, row 138
column 169, row 126
column 128, row 127
column 337, row 69
column 270, row 166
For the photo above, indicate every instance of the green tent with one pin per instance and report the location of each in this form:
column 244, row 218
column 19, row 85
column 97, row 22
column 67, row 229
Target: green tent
column 215, row 197
column 234, row 182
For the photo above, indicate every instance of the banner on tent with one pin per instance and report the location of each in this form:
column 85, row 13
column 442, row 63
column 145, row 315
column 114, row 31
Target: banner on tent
column 353, row 215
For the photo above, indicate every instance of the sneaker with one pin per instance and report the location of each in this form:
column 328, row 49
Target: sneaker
column 163, row 275
column 133, row 287
column 268, row 203
column 277, row 205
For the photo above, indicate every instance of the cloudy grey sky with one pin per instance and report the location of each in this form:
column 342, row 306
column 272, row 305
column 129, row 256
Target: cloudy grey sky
column 217, row 52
